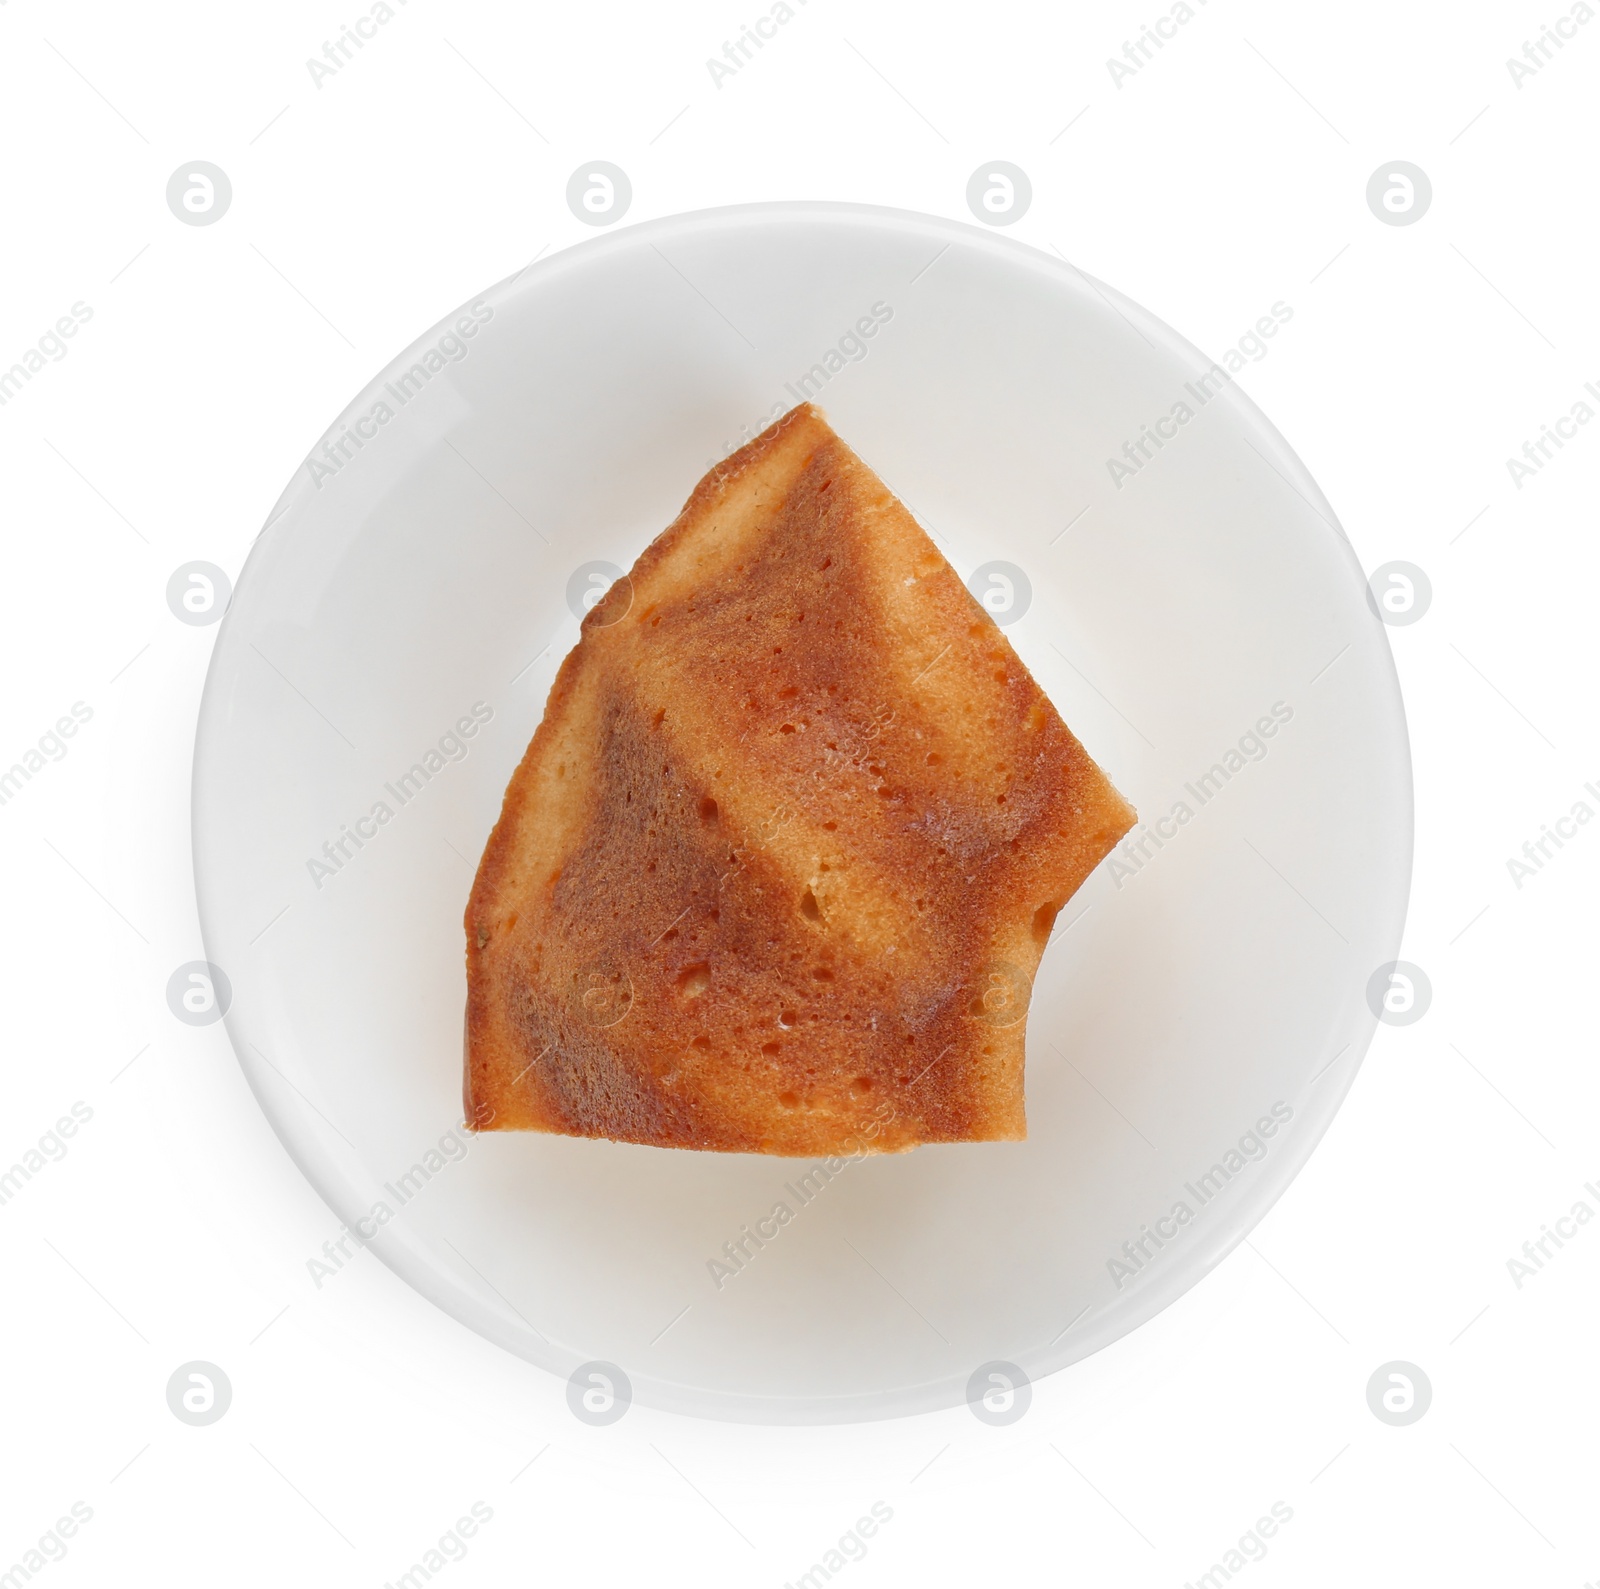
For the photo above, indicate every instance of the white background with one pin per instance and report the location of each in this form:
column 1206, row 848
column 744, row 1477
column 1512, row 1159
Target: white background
column 1227, row 174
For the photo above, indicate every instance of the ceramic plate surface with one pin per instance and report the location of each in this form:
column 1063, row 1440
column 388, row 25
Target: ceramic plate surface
column 1196, row 615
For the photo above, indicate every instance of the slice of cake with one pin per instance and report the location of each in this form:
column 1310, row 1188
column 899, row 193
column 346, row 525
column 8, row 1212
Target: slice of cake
column 776, row 872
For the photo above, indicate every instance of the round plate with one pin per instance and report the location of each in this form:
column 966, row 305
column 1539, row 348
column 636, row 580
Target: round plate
column 1165, row 567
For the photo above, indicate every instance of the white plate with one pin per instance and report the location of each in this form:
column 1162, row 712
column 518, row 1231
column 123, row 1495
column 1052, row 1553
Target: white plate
column 1186, row 995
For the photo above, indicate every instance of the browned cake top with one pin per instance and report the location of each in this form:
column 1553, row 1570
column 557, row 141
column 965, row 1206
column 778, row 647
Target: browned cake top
column 778, row 866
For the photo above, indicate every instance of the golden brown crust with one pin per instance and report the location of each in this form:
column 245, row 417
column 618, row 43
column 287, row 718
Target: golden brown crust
column 778, row 867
